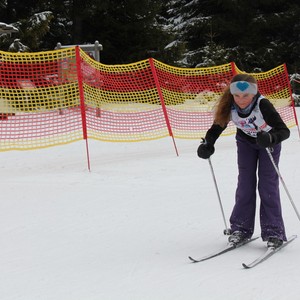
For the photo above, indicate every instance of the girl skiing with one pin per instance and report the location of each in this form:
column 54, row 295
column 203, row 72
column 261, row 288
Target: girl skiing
column 259, row 126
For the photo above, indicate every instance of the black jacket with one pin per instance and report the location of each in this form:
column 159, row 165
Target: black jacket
column 279, row 131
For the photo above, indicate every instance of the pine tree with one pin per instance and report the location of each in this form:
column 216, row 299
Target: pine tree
column 257, row 35
column 254, row 34
column 129, row 30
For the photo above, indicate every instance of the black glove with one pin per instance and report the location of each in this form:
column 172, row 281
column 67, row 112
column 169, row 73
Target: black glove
column 205, row 150
column 265, row 139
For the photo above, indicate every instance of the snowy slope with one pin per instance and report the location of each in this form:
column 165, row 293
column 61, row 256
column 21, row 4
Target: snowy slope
column 125, row 229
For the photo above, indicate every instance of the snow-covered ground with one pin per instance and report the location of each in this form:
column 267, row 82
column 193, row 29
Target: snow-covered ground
column 125, row 229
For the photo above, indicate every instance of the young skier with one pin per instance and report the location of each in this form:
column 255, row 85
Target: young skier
column 259, row 126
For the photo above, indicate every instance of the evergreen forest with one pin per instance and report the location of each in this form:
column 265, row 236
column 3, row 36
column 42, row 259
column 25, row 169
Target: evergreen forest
column 256, row 35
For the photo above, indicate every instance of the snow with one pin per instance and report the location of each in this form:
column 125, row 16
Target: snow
column 125, row 229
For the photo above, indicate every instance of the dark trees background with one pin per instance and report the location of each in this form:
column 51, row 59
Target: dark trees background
column 257, row 35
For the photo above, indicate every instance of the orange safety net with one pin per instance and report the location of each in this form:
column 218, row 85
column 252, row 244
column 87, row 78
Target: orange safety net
column 122, row 102
column 57, row 97
column 190, row 96
column 39, row 100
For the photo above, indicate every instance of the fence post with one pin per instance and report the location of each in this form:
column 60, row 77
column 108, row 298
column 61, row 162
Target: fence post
column 82, row 104
column 291, row 95
column 161, row 97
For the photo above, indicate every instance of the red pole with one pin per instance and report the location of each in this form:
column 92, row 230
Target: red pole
column 291, row 95
column 82, row 105
column 233, row 69
column 161, row 97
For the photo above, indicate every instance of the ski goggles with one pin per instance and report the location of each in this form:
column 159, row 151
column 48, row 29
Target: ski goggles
column 243, row 87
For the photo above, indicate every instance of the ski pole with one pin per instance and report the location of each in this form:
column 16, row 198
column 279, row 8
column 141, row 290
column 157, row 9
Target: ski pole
column 227, row 230
column 280, row 177
column 282, row 181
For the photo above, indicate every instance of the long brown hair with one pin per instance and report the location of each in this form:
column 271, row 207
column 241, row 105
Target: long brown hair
column 223, row 108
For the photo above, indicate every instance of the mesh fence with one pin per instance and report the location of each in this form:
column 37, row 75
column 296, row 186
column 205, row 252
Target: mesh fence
column 39, row 102
column 122, row 102
column 56, row 97
column 275, row 86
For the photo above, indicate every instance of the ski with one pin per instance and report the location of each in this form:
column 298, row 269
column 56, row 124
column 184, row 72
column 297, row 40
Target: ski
column 228, row 248
column 269, row 252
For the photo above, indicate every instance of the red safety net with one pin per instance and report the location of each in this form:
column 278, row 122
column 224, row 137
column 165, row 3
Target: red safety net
column 57, row 97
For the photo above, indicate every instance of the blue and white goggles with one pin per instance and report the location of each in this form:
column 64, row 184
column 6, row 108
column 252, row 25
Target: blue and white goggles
column 243, row 87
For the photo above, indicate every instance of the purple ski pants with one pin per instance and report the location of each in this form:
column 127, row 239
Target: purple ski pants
column 254, row 163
